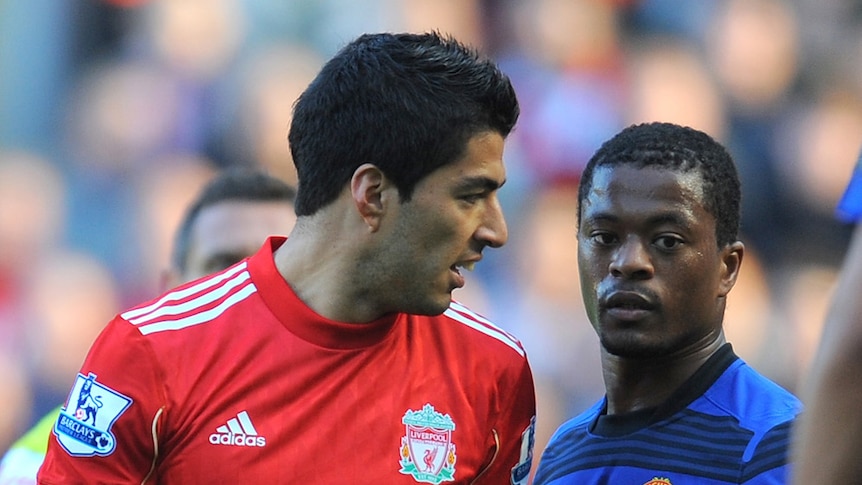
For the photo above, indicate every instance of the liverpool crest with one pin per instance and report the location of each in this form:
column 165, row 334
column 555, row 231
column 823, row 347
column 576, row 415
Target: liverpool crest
column 427, row 451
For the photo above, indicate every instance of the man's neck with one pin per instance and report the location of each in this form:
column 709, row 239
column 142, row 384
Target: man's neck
column 637, row 384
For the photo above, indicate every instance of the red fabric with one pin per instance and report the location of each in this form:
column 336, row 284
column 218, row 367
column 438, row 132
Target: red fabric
column 326, row 399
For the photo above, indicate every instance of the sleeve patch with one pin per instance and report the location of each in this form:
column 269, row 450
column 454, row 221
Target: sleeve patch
column 84, row 425
column 521, row 471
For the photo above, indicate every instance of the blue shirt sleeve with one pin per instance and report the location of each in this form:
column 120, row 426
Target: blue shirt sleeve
column 850, row 206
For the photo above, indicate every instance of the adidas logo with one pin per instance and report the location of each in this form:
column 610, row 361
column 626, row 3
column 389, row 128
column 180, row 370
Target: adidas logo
column 237, row 432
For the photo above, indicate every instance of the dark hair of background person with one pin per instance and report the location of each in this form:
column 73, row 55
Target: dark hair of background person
column 233, row 184
column 673, row 147
column 406, row 103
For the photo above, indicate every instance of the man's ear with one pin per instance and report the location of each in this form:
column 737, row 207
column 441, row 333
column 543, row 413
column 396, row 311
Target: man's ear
column 731, row 262
column 367, row 188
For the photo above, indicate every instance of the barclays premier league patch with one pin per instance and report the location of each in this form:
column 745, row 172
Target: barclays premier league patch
column 521, row 471
column 84, row 425
column 850, row 206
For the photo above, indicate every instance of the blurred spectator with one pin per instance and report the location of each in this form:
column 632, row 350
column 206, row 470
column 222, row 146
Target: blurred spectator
column 462, row 18
column 35, row 65
column 17, row 399
column 669, row 81
column 564, row 60
column 162, row 194
column 267, row 84
column 197, row 40
column 32, row 197
column 753, row 47
column 817, row 148
column 69, row 297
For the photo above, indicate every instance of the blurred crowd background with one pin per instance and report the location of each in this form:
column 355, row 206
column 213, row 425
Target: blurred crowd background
column 113, row 113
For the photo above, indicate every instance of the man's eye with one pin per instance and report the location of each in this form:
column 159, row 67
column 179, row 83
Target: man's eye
column 668, row 242
column 603, row 238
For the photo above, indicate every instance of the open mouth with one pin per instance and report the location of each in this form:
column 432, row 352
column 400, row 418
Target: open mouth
column 468, row 266
column 456, row 270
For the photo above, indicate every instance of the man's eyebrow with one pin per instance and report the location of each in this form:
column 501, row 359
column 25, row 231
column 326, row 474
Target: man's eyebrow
column 486, row 183
column 672, row 218
column 599, row 217
column 664, row 218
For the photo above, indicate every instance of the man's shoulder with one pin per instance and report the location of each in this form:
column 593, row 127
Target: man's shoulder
column 578, row 425
column 194, row 304
column 475, row 329
column 567, row 444
column 754, row 399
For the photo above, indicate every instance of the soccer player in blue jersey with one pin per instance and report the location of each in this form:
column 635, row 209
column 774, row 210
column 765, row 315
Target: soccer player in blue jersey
column 658, row 252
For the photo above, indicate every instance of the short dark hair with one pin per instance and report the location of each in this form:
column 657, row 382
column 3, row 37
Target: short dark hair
column 679, row 148
column 407, row 103
column 233, row 184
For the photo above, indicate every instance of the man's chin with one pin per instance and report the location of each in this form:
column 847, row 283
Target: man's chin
column 430, row 303
column 433, row 307
column 630, row 349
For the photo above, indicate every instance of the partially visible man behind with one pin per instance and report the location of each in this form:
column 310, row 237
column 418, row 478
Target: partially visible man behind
column 829, row 437
column 228, row 221
column 335, row 355
column 658, row 253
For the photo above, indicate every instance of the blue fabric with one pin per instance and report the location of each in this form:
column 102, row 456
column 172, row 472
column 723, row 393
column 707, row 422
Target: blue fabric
column 736, row 432
column 850, row 206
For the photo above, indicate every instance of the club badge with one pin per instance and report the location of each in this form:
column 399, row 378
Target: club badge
column 427, row 451
column 658, row 481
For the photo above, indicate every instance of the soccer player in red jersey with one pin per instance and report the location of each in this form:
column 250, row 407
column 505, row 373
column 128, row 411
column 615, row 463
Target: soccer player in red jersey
column 335, row 355
column 227, row 221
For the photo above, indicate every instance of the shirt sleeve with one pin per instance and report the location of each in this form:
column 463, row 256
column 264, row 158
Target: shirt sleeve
column 849, row 208
column 515, row 432
column 770, row 462
column 107, row 431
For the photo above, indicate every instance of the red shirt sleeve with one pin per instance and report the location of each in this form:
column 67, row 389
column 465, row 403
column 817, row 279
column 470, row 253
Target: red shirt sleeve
column 515, row 429
column 108, row 429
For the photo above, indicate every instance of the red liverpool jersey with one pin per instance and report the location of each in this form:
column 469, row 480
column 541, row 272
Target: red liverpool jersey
column 232, row 379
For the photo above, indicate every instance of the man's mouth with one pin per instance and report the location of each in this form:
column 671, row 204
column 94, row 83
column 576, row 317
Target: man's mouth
column 626, row 305
column 628, row 299
column 456, row 269
column 468, row 265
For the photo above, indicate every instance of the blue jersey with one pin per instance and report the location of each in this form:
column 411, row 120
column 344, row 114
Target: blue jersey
column 726, row 424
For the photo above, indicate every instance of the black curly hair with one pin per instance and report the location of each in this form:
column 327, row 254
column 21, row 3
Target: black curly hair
column 679, row 148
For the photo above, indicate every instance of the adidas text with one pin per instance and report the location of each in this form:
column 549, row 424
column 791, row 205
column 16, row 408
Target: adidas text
column 237, row 439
